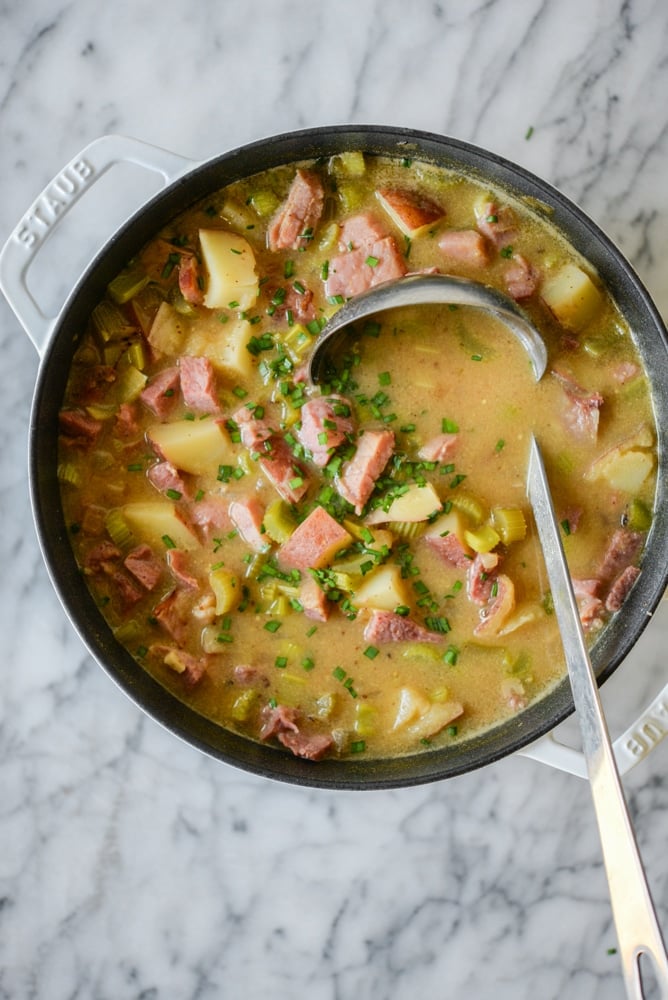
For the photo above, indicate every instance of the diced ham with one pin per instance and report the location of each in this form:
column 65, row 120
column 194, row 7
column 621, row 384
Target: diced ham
column 620, row 588
column 191, row 669
column 582, row 414
column 247, row 516
column 325, row 422
column 165, row 476
column 440, row 448
column 102, row 558
column 409, row 210
column 358, row 476
column 254, row 431
column 360, row 232
column 190, row 280
column 493, row 616
column 624, row 547
column 572, row 516
column 464, row 246
column 481, row 577
column 521, row 278
column 451, row 549
column 292, row 226
column 278, row 719
column 212, row 516
column 172, row 613
column 314, row 600
column 249, row 676
column 354, row 271
column 127, row 424
column 178, row 563
column 314, row 542
column 160, row 394
column 310, row 747
column 127, row 590
column 281, row 469
column 299, row 303
column 496, row 223
column 198, row 384
column 387, row 626
column 78, row 428
column 144, row 566
column 590, row 606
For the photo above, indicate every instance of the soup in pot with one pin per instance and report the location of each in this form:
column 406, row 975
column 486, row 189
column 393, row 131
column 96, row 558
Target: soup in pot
column 352, row 568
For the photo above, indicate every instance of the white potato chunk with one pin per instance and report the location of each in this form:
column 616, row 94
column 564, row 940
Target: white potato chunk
column 167, row 334
column 225, row 345
column 417, row 504
column 230, row 263
column 438, row 716
column 382, row 588
column 412, row 705
column 571, row 296
column 627, row 465
column 195, row 446
column 155, row 521
column 454, row 522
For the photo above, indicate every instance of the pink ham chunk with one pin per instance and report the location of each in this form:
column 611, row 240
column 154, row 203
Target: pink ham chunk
column 190, row 279
column 521, row 278
column 78, row 428
column 310, row 746
column 496, row 612
column 386, row 626
column 410, row 211
column 144, row 566
column 325, row 422
column 211, row 516
column 581, row 416
column 167, row 478
column 292, row 226
column 440, row 448
column 161, row 393
column 358, row 476
column 247, row 516
column 173, row 614
column 622, row 550
column 449, row 548
column 369, row 256
column 481, row 577
column 620, row 588
column 191, row 669
column 497, row 224
column 590, row 606
column 179, row 567
column 198, row 384
column 273, row 455
column 314, row 600
column 464, row 246
column 313, row 543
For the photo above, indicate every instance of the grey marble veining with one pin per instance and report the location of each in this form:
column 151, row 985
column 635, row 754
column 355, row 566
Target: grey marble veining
column 130, row 865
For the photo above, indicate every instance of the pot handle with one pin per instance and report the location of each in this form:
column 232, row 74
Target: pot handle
column 53, row 204
column 630, row 748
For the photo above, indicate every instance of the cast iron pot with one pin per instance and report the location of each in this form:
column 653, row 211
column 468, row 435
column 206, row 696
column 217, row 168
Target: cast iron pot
column 56, row 339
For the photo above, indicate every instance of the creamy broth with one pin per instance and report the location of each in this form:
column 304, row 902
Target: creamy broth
column 258, row 572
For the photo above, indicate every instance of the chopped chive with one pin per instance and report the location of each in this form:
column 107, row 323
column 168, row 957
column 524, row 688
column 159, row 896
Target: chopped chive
column 273, row 625
column 289, row 269
column 500, row 445
column 281, row 662
column 358, row 746
column 449, row 426
column 372, row 261
column 529, row 132
column 507, row 252
column 135, row 467
column 169, row 542
column 565, row 526
column 371, row 652
column 476, row 357
column 298, row 287
column 308, row 663
column 324, row 270
column 384, row 378
column 174, row 494
column 403, row 610
column 339, row 674
column 311, row 631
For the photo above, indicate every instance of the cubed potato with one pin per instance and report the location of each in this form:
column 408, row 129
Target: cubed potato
column 195, row 446
column 571, row 296
column 226, row 589
column 382, row 588
column 437, row 717
column 167, row 334
column 158, row 523
column 417, row 504
column 225, row 345
column 412, row 705
column 230, row 264
column 627, row 465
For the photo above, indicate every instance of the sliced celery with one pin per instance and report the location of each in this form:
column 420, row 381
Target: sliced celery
column 243, row 705
column 510, row 524
column 265, row 202
column 474, row 508
column 638, row 516
column 110, row 323
column 278, row 521
column 483, row 539
column 127, row 284
column 117, row 528
column 69, row 473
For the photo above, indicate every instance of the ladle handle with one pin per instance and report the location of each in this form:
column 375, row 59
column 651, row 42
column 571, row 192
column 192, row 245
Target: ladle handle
column 53, row 204
column 635, row 919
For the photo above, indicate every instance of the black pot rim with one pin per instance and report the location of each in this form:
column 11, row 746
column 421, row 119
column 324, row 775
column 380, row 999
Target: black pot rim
column 204, row 178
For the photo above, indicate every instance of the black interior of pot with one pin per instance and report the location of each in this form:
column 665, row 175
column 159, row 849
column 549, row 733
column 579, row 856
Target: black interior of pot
column 615, row 641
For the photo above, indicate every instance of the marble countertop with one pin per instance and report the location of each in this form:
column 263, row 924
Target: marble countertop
column 132, row 866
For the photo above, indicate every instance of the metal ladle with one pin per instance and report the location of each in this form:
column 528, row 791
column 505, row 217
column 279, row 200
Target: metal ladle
column 633, row 911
